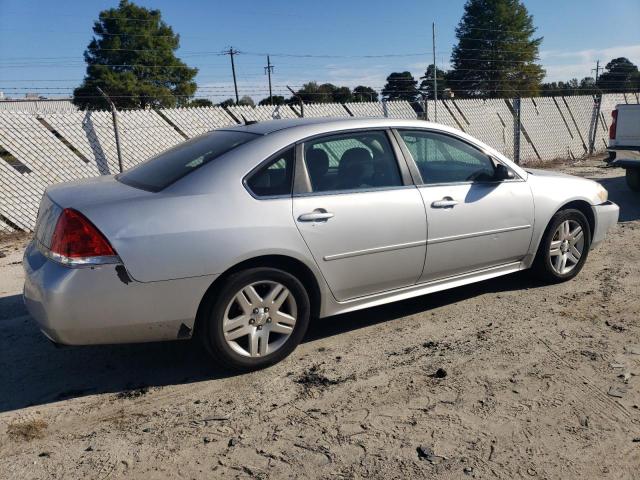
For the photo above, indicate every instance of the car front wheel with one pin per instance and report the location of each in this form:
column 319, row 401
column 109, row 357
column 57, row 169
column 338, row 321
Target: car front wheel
column 256, row 318
column 564, row 247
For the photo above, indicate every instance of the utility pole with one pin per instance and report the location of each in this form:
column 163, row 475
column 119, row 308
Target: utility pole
column 597, row 69
column 114, row 117
column 435, row 73
column 231, row 53
column 269, row 70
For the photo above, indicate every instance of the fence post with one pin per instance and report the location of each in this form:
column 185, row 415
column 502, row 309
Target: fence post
column 114, row 116
column 295, row 95
column 594, row 123
column 516, row 130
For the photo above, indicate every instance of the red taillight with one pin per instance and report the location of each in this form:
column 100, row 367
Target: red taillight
column 76, row 237
column 612, row 127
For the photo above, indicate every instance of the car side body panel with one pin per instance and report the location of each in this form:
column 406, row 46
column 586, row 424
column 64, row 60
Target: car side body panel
column 175, row 243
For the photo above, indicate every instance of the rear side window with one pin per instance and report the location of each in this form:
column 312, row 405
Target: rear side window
column 444, row 159
column 275, row 178
column 162, row 170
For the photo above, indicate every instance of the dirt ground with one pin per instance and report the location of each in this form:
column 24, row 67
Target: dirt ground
column 537, row 382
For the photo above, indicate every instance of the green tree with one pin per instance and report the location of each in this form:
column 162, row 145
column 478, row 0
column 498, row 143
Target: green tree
column 311, row 92
column 400, row 86
column 588, row 86
column 426, row 85
column 275, row 100
column 364, row 94
column 246, row 100
column 342, row 95
column 200, row 102
column 620, row 75
column 496, row 53
column 229, row 102
column 132, row 58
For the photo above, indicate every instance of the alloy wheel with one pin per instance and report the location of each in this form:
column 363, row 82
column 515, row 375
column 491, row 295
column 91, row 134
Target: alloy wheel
column 259, row 318
column 567, row 246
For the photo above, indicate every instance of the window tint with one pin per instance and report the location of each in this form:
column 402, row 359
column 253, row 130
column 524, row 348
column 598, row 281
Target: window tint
column 444, row 159
column 359, row 160
column 274, row 178
column 167, row 167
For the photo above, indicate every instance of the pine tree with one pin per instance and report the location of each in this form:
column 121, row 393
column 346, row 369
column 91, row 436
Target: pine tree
column 400, row 86
column 620, row 75
column 496, row 53
column 426, row 86
column 132, row 59
column 364, row 94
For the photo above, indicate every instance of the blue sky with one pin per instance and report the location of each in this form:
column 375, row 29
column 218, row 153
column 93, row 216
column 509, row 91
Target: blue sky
column 41, row 42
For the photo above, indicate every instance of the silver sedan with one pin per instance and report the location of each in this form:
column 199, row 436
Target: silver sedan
column 241, row 235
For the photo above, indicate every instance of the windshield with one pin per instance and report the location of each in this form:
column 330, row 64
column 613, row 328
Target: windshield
column 166, row 168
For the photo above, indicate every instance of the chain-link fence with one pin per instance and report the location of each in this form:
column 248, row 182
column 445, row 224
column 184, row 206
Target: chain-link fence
column 45, row 146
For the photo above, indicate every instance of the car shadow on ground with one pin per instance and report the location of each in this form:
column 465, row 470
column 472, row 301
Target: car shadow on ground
column 34, row 372
column 623, row 196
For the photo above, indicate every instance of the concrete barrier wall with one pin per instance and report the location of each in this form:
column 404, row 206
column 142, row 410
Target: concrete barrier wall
column 45, row 146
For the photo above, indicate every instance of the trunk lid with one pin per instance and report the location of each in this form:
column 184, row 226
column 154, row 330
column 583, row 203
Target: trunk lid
column 93, row 191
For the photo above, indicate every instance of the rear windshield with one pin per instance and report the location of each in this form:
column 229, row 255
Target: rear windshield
column 162, row 170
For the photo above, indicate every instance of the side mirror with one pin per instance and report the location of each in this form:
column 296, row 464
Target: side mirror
column 503, row 173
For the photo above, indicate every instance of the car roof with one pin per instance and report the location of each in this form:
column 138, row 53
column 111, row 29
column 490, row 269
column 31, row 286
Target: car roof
column 327, row 123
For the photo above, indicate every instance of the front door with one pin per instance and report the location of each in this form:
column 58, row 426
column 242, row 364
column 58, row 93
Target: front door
column 365, row 227
column 474, row 220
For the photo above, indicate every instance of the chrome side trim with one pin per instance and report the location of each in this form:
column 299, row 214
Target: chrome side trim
column 421, row 289
column 368, row 251
column 476, row 234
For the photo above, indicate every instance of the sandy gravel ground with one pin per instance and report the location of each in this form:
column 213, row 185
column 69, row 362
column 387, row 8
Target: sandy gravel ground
column 531, row 371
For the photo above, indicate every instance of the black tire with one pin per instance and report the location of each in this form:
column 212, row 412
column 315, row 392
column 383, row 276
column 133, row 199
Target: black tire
column 542, row 266
column 633, row 179
column 211, row 331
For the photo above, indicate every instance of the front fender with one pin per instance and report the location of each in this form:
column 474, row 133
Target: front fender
column 551, row 193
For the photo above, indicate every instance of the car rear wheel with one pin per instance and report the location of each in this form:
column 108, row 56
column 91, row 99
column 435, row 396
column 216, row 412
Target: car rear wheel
column 256, row 318
column 564, row 247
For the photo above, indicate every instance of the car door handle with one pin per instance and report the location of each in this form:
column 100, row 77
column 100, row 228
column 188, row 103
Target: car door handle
column 315, row 216
column 446, row 202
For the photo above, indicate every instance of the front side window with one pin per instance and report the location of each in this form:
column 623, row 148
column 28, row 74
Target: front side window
column 162, row 170
column 274, row 178
column 444, row 159
column 352, row 161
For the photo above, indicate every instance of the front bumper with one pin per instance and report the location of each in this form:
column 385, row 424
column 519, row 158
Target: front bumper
column 606, row 216
column 95, row 305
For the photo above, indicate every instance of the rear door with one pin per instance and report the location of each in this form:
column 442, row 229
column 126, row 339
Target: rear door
column 474, row 221
column 359, row 214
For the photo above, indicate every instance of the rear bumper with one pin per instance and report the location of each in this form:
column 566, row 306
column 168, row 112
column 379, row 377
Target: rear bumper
column 606, row 216
column 95, row 305
column 617, row 154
